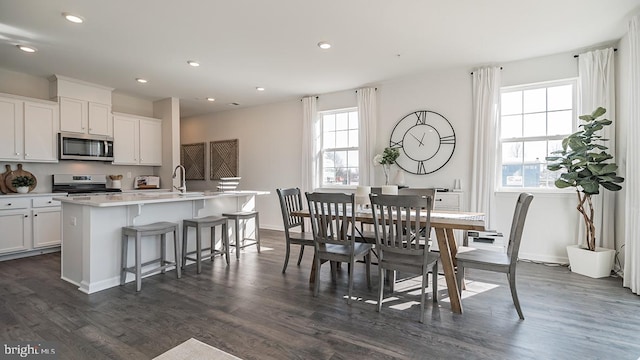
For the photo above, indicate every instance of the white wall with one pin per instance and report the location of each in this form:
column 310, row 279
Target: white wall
column 269, row 150
column 270, row 145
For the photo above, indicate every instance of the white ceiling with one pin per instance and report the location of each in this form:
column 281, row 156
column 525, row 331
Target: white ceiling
column 243, row 44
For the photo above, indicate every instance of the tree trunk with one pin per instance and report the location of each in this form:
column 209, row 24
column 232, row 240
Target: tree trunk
column 587, row 216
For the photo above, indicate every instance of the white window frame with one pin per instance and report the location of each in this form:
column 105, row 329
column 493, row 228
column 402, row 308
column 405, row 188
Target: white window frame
column 321, row 148
column 531, row 86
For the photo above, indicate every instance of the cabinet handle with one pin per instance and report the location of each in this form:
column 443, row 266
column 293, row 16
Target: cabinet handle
column 49, row 202
column 34, row 215
column 17, row 153
column 26, row 216
column 9, row 204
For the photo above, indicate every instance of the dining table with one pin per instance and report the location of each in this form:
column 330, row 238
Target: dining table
column 444, row 223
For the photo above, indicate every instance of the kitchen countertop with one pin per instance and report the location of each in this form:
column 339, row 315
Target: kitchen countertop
column 123, row 199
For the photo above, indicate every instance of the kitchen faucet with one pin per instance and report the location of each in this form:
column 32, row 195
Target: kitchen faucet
column 183, row 184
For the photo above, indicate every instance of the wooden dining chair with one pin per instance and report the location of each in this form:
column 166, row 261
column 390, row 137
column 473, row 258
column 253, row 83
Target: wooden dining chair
column 333, row 224
column 497, row 261
column 396, row 240
column 290, row 201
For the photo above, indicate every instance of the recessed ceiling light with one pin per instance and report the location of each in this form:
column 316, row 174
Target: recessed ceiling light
column 193, row 63
column 260, row 88
column 211, row 99
column 73, row 18
column 141, row 80
column 25, row 48
column 324, row 45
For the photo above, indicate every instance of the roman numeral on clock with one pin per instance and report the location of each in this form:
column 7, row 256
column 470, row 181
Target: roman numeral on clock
column 422, row 117
column 396, row 145
column 448, row 140
column 421, row 169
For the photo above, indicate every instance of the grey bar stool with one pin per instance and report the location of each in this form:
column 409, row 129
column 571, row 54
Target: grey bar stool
column 237, row 217
column 200, row 223
column 159, row 228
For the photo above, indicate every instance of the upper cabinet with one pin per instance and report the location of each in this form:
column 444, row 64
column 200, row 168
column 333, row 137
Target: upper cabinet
column 85, row 108
column 85, row 117
column 137, row 140
column 29, row 129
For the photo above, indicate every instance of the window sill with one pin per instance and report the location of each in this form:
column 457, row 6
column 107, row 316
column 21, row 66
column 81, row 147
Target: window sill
column 542, row 192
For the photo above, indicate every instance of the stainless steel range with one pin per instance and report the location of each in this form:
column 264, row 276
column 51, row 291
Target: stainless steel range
column 81, row 184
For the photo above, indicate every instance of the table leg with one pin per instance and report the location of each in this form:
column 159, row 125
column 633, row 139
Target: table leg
column 453, row 246
column 449, row 271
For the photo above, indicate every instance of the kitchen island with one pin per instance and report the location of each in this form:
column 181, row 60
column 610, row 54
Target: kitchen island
column 91, row 229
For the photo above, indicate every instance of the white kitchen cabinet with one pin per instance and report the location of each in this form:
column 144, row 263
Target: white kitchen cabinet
column 40, row 130
column 85, row 117
column 29, row 128
column 46, row 227
column 30, row 225
column 137, row 140
column 150, row 142
column 14, row 225
column 11, row 123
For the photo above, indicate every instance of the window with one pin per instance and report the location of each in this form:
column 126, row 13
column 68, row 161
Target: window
column 533, row 121
column 339, row 147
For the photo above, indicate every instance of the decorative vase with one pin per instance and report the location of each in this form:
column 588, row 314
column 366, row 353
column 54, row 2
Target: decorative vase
column 595, row 264
column 22, row 189
column 385, row 168
column 399, row 178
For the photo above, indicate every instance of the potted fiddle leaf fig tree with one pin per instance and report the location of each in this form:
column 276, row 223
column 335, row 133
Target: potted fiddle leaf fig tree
column 587, row 167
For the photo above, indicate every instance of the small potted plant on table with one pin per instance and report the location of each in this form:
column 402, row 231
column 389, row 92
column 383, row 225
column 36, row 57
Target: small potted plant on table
column 587, row 167
column 23, row 183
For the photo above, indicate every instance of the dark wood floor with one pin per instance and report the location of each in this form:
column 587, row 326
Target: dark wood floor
column 251, row 310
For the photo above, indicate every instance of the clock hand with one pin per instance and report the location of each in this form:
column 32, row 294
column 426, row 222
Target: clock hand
column 421, row 143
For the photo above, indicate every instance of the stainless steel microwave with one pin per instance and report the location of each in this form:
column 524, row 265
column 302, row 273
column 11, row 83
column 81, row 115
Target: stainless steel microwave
column 85, row 147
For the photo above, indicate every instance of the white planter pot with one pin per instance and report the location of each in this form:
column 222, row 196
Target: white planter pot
column 595, row 264
column 22, row 189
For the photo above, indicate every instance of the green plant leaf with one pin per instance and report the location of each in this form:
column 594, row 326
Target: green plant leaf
column 611, row 186
column 598, row 112
column 561, row 184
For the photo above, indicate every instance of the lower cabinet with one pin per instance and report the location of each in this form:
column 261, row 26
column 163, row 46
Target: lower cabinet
column 46, row 227
column 16, row 230
column 29, row 225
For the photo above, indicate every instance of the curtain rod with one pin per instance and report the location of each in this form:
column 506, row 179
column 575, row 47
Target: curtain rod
column 376, row 89
column 317, row 97
column 577, row 56
column 500, row 69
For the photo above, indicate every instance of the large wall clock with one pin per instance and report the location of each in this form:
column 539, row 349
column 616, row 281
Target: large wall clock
column 426, row 141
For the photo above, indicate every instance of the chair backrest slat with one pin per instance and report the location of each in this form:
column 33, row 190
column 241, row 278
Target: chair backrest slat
column 398, row 221
column 332, row 218
column 517, row 225
column 290, row 201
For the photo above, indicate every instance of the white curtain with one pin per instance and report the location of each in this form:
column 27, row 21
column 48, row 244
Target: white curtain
column 632, row 182
column 486, row 117
column 309, row 144
column 597, row 88
column 367, row 119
